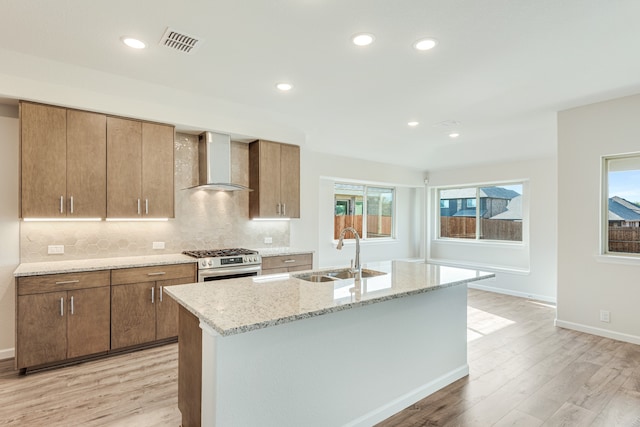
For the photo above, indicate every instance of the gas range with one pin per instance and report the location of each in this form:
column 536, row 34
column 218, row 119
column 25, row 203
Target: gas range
column 217, row 264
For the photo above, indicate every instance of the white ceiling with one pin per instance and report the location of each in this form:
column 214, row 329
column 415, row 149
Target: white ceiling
column 502, row 68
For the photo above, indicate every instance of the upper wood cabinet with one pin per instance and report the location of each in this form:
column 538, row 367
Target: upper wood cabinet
column 63, row 162
column 274, row 176
column 139, row 169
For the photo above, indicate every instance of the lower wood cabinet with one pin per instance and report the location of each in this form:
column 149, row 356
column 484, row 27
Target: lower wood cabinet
column 140, row 310
column 286, row 263
column 61, row 316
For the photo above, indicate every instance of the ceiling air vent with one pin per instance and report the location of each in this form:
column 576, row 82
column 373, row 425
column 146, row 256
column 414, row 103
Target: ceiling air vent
column 180, row 41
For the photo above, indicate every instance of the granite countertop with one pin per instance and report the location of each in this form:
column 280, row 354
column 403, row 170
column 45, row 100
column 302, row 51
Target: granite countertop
column 268, row 252
column 72, row 266
column 241, row 305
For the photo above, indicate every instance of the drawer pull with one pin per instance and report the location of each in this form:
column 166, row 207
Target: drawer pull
column 67, row 282
column 159, row 273
column 289, row 260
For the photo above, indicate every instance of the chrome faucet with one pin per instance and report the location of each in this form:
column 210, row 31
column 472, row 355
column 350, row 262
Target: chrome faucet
column 355, row 269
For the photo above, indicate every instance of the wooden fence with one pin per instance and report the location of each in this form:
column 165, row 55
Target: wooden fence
column 377, row 226
column 624, row 239
column 491, row 229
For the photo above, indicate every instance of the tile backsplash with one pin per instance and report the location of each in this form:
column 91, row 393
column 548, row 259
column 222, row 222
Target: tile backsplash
column 203, row 220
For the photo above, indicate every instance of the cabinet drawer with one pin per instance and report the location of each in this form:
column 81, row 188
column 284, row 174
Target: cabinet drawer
column 152, row 274
column 287, row 261
column 62, row 282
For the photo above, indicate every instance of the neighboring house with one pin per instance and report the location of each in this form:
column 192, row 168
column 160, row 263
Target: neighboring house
column 513, row 212
column 462, row 201
column 623, row 213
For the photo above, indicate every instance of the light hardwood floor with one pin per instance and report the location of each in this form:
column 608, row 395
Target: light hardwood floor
column 524, row 372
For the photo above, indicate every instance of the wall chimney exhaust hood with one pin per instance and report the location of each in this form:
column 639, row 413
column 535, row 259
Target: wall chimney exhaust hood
column 214, row 160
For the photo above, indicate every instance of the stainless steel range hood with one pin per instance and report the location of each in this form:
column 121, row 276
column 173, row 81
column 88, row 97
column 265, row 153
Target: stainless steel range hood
column 214, row 159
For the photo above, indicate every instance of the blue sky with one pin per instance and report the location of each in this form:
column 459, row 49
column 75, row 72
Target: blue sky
column 625, row 184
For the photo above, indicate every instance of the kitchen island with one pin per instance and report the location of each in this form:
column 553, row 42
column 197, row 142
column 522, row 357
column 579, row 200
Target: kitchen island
column 278, row 350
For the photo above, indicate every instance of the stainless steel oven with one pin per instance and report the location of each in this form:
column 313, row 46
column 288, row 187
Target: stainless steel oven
column 220, row 264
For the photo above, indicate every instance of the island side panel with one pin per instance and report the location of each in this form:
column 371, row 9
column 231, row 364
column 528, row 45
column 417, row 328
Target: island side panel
column 189, row 368
column 354, row 367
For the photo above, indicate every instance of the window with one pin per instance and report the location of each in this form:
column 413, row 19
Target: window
column 621, row 204
column 352, row 200
column 492, row 212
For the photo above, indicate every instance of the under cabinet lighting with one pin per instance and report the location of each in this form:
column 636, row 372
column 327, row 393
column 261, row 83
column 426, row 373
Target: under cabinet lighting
column 62, row 219
column 137, row 219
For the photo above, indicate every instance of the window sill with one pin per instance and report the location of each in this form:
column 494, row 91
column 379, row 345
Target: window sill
column 367, row 242
column 481, row 266
column 618, row 259
column 474, row 242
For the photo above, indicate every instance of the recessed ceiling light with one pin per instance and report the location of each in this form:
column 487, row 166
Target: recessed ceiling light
column 284, row 87
column 133, row 43
column 425, row 44
column 413, row 124
column 362, row 39
column 454, row 134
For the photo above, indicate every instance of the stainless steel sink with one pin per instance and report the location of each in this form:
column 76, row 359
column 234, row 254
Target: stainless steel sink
column 342, row 274
column 313, row 277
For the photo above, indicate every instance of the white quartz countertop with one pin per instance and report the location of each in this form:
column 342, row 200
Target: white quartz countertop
column 73, row 266
column 241, row 305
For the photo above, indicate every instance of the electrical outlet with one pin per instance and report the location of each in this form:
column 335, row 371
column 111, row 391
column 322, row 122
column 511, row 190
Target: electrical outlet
column 604, row 316
column 158, row 245
column 268, row 240
column 55, row 249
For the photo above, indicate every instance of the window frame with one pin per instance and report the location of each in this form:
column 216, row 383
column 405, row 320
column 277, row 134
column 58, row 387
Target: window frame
column 604, row 251
column 477, row 240
column 366, row 186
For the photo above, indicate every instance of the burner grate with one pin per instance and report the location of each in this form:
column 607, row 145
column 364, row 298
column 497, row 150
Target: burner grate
column 216, row 253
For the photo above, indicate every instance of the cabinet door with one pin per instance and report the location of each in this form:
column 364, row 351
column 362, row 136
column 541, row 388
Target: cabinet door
column 86, row 164
column 290, row 180
column 157, row 170
column 124, row 168
column 88, row 323
column 41, row 329
column 264, row 179
column 133, row 314
column 167, row 309
column 43, row 140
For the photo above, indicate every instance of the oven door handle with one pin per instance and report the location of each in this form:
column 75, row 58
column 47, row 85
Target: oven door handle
column 215, row 272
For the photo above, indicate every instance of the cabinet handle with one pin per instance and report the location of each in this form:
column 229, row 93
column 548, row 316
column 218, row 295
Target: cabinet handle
column 72, row 304
column 160, row 293
column 157, row 273
column 138, row 206
column 289, row 260
column 146, row 206
column 66, row 282
column 284, row 209
column 71, row 203
column 153, row 294
column 278, row 209
column 61, row 204
column 61, row 306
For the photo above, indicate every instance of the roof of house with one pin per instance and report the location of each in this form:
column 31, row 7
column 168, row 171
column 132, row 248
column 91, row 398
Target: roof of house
column 514, row 210
column 470, row 193
column 620, row 211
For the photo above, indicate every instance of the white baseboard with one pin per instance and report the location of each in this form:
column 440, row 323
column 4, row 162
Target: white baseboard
column 633, row 339
column 396, row 405
column 479, row 285
column 7, row 353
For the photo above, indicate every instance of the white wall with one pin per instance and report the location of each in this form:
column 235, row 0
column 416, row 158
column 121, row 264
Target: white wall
column 588, row 283
column 315, row 228
column 9, row 226
column 527, row 270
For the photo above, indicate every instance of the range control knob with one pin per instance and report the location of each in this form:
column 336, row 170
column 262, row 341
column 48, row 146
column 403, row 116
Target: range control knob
column 203, row 263
column 210, row 263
